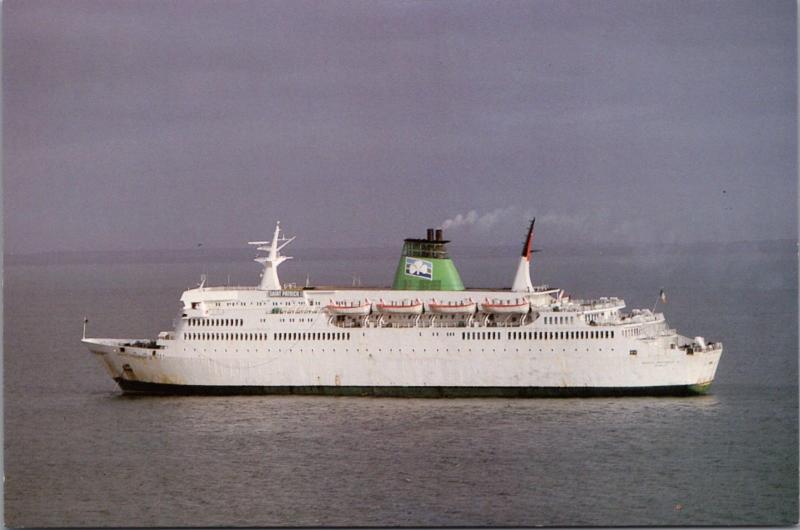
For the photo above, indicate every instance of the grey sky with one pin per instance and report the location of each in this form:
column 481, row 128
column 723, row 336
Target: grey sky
column 158, row 124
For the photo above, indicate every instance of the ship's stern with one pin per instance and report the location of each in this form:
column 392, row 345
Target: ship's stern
column 704, row 359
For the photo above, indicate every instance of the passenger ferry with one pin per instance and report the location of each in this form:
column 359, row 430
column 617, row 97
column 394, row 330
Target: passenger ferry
column 426, row 336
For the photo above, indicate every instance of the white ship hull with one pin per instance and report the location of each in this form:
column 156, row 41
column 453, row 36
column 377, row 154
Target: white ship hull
column 268, row 339
column 382, row 361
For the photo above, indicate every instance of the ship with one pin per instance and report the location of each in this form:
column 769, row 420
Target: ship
column 426, row 336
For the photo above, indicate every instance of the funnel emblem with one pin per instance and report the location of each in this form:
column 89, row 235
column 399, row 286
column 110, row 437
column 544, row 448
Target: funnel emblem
column 419, row 268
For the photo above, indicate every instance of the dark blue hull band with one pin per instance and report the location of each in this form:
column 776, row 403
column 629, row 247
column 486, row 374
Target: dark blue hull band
column 139, row 387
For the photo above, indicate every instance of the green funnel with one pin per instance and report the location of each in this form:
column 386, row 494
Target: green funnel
column 425, row 266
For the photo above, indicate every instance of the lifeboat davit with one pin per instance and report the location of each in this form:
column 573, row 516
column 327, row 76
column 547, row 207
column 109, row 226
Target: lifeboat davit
column 507, row 307
column 353, row 308
column 452, row 308
column 402, row 308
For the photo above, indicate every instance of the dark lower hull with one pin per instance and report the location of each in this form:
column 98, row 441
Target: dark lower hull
column 139, row 387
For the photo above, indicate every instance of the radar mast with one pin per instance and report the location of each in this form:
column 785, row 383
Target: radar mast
column 269, row 276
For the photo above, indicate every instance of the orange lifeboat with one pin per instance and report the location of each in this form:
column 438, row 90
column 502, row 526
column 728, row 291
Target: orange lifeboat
column 464, row 307
column 402, row 308
column 519, row 306
column 352, row 308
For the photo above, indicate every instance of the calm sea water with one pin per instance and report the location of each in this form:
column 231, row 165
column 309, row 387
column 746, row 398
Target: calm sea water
column 77, row 452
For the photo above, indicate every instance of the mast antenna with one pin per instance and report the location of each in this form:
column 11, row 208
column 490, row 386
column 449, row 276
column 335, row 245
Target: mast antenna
column 269, row 277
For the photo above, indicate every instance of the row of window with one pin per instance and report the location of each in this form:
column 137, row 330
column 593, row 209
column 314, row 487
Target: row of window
column 539, row 335
column 297, row 301
column 592, row 317
column 322, row 335
column 632, row 332
column 225, row 336
column 216, row 322
column 467, row 335
column 559, row 320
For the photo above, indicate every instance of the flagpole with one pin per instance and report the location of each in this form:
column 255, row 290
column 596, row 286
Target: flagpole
column 661, row 296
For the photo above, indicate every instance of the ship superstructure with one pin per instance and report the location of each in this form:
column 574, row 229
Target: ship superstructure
column 425, row 336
